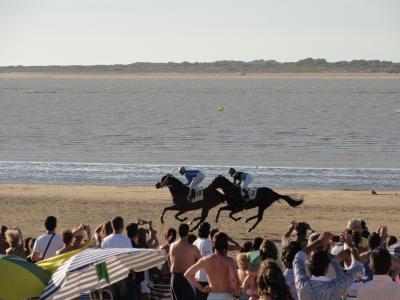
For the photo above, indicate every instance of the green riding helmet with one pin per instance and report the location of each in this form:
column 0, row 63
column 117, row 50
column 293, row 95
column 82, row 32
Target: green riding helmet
column 232, row 171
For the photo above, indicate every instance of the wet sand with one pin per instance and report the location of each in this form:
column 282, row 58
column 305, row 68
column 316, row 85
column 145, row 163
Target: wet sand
column 26, row 206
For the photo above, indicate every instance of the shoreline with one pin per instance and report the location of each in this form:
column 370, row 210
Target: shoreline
column 191, row 75
column 26, row 206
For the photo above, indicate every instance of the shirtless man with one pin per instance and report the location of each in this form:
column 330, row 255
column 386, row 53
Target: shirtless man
column 182, row 255
column 223, row 281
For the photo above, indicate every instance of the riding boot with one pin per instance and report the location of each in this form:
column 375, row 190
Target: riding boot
column 189, row 196
column 246, row 194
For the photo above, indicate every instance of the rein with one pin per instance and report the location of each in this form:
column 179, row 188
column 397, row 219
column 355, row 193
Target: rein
column 165, row 180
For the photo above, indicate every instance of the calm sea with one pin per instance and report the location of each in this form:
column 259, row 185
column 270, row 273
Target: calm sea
column 289, row 132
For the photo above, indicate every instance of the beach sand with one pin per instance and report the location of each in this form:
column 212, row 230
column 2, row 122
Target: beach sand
column 26, row 206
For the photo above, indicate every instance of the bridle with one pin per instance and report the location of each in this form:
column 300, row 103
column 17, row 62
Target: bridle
column 162, row 183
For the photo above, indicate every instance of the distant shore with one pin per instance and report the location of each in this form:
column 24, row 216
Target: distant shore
column 121, row 75
column 26, row 206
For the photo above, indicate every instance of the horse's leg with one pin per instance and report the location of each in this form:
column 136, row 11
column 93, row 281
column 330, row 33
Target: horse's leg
column 195, row 219
column 259, row 218
column 178, row 214
column 219, row 211
column 172, row 207
column 251, row 218
column 204, row 214
column 232, row 217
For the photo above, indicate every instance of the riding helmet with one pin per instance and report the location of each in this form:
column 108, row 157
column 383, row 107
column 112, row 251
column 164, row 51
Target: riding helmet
column 232, row 171
column 181, row 170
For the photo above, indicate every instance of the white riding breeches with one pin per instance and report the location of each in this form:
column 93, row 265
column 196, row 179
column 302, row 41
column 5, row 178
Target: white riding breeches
column 197, row 180
column 247, row 181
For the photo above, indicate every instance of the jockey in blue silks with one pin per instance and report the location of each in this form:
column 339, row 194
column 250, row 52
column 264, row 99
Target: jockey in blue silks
column 194, row 178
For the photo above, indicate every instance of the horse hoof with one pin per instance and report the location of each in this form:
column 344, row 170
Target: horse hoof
column 238, row 219
column 249, row 230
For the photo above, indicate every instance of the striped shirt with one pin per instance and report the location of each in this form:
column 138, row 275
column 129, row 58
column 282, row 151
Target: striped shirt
column 309, row 289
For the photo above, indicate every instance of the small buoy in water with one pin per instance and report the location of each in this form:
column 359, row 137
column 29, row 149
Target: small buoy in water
column 221, row 108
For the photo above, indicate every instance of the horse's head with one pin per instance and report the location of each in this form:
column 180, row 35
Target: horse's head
column 220, row 182
column 166, row 180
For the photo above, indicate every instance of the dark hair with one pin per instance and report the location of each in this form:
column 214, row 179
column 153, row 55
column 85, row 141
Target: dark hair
column 191, row 238
column 183, row 230
column 3, row 230
column 363, row 224
column 106, row 229
column 31, row 244
column 381, row 261
column 50, row 223
column 268, row 250
column 170, row 235
column 289, row 252
column 132, row 230
column 257, row 243
column 356, row 238
column 204, row 230
column 142, row 238
column 117, row 223
column 246, row 247
column 213, row 232
column 319, row 263
column 271, row 282
column 301, row 228
column 66, row 236
column 374, row 241
column 221, row 242
column 391, row 240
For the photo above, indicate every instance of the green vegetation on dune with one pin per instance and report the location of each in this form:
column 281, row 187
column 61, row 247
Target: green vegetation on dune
column 308, row 65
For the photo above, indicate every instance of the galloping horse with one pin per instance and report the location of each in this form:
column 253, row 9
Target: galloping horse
column 179, row 192
column 264, row 198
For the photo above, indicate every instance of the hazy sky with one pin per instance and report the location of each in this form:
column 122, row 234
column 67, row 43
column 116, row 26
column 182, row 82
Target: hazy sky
column 42, row 32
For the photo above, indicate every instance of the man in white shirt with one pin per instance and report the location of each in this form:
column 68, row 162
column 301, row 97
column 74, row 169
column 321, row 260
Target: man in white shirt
column 381, row 286
column 117, row 239
column 47, row 244
column 204, row 244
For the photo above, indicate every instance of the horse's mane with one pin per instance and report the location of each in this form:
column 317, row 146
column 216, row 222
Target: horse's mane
column 174, row 179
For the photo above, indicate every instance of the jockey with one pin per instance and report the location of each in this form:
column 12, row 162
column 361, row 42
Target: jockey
column 194, row 178
column 241, row 179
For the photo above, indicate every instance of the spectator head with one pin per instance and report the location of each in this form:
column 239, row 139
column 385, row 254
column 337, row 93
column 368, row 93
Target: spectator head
column 354, row 225
column 67, row 236
column 313, row 237
column 132, row 230
column 301, row 229
column 381, row 261
column 374, row 241
column 243, row 261
column 213, row 232
column 246, row 247
column 30, row 245
column 106, row 230
column 142, row 238
column 13, row 237
column 319, row 263
column 50, row 223
column 289, row 252
column 356, row 238
column 3, row 230
column 257, row 243
column 363, row 225
column 220, row 242
column 204, row 230
column 391, row 240
column 268, row 250
column 192, row 237
column 117, row 224
column 170, row 236
column 271, row 282
column 183, row 230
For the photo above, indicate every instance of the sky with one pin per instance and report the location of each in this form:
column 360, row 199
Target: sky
column 87, row 32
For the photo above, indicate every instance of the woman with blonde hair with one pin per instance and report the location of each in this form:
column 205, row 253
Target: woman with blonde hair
column 14, row 239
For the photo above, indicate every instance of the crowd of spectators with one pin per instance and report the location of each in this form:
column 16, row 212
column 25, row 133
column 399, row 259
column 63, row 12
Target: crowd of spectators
column 354, row 263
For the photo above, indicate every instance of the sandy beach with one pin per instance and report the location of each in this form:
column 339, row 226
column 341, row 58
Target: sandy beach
column 26, row 206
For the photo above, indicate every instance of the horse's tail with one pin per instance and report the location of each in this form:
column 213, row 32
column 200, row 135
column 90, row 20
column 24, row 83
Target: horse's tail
column 292, row 202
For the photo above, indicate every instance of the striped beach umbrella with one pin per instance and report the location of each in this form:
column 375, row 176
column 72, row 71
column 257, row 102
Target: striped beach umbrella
column 97, row 268
column 20, row 279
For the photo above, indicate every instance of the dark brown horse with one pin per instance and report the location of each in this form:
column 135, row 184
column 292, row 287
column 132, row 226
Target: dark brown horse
column 179, row 192
column 264, row 198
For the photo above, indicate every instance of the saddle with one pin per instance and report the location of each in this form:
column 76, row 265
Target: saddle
column 248, row 193
column 197, row 194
